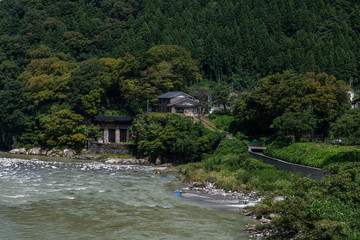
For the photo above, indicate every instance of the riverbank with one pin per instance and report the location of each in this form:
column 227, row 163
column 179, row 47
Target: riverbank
column 71, row 154
column 244, row 202
column 309, row 209
column 235, row 199
column 18, row 163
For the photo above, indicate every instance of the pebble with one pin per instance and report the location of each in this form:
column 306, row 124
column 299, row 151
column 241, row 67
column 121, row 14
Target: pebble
column 264, row 220
column 246, row 199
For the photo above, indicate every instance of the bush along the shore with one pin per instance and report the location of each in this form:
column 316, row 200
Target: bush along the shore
column 329, row 209
column 308, row 209
column 231, row 168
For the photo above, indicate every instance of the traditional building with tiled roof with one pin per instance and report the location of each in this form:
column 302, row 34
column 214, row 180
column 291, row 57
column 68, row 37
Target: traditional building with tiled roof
column 178, row 102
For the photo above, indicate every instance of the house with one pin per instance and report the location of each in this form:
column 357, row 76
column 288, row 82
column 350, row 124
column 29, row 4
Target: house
column 115, row 129
column 115, row 133
column 178, row 102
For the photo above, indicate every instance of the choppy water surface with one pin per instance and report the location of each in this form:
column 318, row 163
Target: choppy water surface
column 69, row 200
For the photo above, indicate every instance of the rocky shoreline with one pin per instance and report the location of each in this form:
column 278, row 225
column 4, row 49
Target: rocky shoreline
column 6, row 164
column 240, row 200
column 71, row 154
column 243, row 199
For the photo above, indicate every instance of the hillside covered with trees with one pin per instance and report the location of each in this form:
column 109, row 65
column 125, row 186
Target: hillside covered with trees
column 233, row 41
column 62, row 62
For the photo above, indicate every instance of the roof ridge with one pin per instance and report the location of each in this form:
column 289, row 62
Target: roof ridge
column 174, row 94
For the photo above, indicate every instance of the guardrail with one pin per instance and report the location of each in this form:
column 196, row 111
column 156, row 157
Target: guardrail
column 314, row 173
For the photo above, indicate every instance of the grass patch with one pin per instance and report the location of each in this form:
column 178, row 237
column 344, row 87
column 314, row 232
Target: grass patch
column 221, row 121
column 231, row 168
column 315, row 154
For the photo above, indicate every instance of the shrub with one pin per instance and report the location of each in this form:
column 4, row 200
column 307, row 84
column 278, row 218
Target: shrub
column 323, row 210
column 347, row 127
column 222, row 121
column 231, row 146
column 177, row 139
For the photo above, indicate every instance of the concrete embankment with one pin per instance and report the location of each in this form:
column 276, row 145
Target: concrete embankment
column 314, row 173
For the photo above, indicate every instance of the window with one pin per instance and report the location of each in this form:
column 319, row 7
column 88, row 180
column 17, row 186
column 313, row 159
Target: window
column 179, row 110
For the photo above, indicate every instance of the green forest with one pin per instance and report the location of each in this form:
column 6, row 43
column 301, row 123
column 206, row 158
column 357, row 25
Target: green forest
column 62, row 62
column 233, row 41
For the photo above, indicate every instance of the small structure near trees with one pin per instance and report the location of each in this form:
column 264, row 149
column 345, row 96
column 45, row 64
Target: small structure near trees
column 115, row 129
column 114, row 135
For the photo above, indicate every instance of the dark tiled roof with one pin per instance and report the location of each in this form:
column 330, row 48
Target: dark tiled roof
column 112, row 119
column 174, row 94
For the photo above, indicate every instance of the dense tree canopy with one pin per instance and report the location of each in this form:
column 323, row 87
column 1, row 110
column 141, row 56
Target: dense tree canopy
column 14, row 111
column 317, row 96
column 86, row 88
column 173, row 137
column 63, row 128
column 235, row 41
column 347, row 127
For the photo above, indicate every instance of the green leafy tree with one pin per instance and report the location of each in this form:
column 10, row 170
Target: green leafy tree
column 9, row 70
column 222, row 95
column 183, row 67
column 329, row 97
column 347, row 127
column 85, row 88
column 173, row 137
column 14, row 111
column 47, row 79
column 295, row 124
column 322, row 95
column 76, row 42
column 63, row 128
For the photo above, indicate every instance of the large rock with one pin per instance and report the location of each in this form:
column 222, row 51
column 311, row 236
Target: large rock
column 60, row 153
column 34, row 151
column 68, row 153
column 15, row 151
column 23, row 151
column 53, row 153
column 158, row 161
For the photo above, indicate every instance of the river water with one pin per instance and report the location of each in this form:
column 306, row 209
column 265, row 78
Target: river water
column 86, row 200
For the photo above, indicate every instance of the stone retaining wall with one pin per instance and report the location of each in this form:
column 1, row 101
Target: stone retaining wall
column 314, row 173
column 110, row 148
